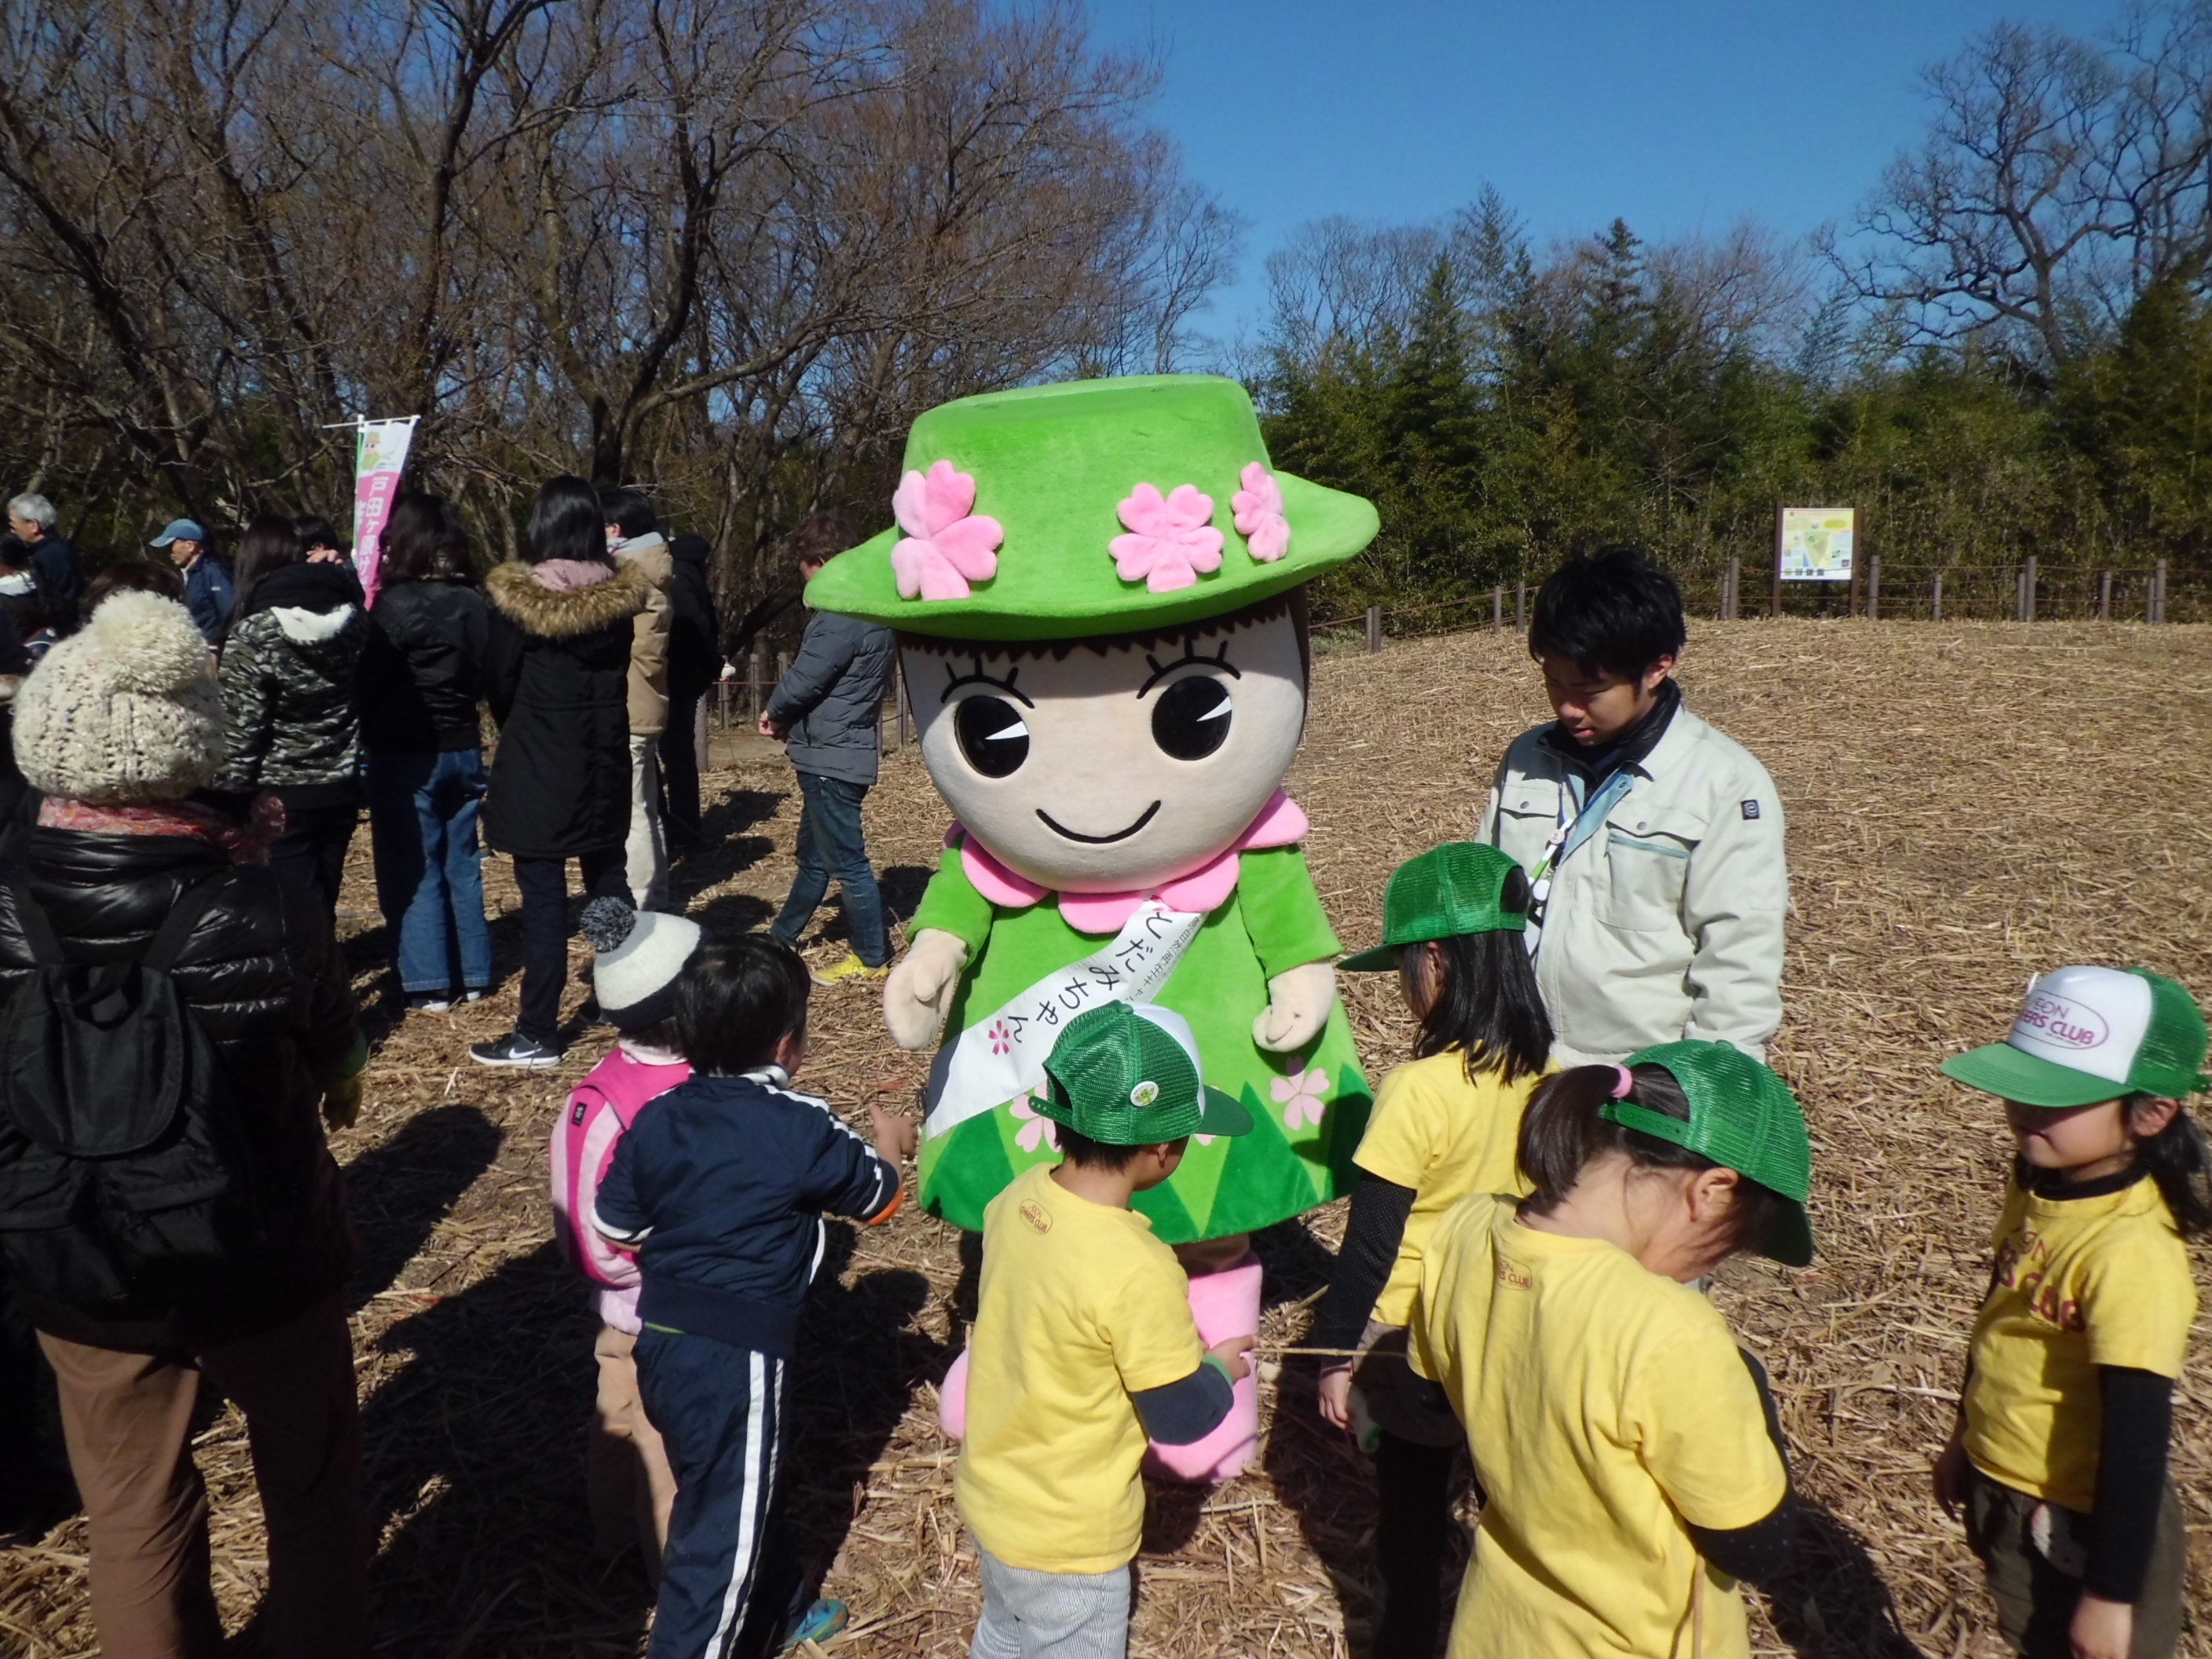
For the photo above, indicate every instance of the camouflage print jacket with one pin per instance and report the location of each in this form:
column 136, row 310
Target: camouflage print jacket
column 288, row 694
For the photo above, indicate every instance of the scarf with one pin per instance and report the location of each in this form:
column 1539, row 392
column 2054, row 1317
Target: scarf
column 247, row 840
column 1629, row 747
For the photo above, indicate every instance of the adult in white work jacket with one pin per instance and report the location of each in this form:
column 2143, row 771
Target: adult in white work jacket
column 1654, row 841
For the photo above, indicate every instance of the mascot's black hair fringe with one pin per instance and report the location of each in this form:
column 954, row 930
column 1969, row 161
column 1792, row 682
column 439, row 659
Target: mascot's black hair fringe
column 1175, row 637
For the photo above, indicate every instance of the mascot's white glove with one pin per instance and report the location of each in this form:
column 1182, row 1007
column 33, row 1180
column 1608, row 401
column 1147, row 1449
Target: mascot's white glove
column 1299, row 1001
column 920, row 990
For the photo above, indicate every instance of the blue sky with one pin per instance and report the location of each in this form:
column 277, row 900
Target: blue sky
column 1679, row 116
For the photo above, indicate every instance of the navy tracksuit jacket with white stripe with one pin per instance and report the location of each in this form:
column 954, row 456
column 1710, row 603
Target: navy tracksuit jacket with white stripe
column 720, row 1186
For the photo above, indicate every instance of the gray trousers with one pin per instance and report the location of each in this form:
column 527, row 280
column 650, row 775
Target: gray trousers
column 1028, row 1615
column 2036, row 1599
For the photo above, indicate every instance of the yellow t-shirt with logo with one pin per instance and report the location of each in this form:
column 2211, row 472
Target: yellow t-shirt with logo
column 1081, row 1308
column 1605, row 1407
column 2080, row 1283
column 1433, row 1130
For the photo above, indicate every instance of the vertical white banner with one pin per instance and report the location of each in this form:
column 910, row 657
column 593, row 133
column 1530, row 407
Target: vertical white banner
column 380, row 459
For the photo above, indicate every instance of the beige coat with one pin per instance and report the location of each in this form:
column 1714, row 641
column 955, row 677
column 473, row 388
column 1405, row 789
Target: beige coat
column 1667, row 923
column 648, row 655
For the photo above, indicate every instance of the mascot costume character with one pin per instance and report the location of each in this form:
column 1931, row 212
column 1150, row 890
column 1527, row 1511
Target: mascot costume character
column 1099, row 590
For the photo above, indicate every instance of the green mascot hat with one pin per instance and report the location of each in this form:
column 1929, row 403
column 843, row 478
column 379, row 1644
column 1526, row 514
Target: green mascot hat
column 1098, row 507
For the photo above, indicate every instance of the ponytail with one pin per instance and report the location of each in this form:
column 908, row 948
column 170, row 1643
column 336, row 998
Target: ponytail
column 1562, row 1134
column 1487, row 1004
column 2178, row 1160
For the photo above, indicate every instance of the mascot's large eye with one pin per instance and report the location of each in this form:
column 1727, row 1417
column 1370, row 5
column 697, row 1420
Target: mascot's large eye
column 992, row 735
column 1191, row 718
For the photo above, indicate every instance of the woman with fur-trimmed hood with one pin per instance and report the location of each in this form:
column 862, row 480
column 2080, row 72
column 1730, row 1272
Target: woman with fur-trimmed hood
column 557, row 679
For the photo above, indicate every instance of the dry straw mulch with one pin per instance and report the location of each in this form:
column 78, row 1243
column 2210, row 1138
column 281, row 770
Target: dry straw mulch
column 1967, row 803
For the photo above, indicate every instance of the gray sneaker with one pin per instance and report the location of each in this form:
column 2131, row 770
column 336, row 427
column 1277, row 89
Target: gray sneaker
column 515, row 1050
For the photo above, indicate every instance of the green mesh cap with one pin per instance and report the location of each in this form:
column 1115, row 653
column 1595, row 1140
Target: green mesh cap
column 2089, row 1035
column 1457, row 887
column 1129, row 1076
column 1743, row 1117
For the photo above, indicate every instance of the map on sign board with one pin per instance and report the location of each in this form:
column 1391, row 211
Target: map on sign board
column 1816, row 543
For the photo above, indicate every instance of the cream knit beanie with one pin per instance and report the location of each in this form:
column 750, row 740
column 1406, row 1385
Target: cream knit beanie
column 124, row 713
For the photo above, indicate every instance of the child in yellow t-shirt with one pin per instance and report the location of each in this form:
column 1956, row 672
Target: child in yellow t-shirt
column 2059, row 1456
column 1444, row 1127
column 1084, row 1345
column 1629, row 1451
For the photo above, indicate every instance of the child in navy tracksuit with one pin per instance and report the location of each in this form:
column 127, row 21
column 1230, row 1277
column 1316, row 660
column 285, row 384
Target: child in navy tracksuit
column 719, row 1187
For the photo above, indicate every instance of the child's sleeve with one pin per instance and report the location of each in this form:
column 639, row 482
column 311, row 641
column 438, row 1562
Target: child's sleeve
column 618, row 1210
column 1703, row 1432
column 1148, row 1320
column 1373, row 1233
column 2138, row 1301
column 849, row 1177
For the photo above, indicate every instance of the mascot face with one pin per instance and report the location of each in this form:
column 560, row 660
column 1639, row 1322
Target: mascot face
column 1104, row 774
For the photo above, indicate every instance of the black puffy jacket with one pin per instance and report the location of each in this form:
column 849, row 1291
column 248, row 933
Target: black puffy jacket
column 421, row 671
column 290, row 670
column 557, row 679
column 695, row 633
column 262, row 974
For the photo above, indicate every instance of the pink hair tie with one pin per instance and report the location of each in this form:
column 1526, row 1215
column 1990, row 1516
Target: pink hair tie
column 1624, row 1083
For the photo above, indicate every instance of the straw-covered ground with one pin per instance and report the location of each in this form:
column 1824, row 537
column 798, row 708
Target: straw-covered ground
column 1967, row 803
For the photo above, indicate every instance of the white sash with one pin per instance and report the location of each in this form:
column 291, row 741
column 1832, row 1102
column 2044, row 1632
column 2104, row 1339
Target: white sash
column 1002, row 1056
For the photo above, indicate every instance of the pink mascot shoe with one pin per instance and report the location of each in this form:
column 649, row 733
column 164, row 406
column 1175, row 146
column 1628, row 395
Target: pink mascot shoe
column 1224, row 1304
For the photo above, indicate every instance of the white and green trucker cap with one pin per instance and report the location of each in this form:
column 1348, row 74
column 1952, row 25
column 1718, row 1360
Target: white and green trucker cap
column 2089, row 1035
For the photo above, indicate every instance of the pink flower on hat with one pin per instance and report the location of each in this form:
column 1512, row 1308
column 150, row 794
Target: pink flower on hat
column 945, row 546
column 1036, row 1129
column 1260, row 519
column 1170, row 541
column 1300, row 1098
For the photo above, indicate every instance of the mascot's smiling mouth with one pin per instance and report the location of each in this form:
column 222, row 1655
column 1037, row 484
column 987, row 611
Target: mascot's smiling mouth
column 1098, row 841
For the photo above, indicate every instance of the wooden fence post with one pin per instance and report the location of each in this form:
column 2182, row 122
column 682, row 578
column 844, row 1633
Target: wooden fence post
column 754, row 696
column 1851, row 605
column 1374, row 629
column 1497, row 608
column 1775, row 601
column 2027, row 590
column 699, row 734
column 2105, row 596
column 2158, row 588
column 1935, row 605
column 2020, row 594
column 1520, row 607
column 1874, row 589
column 1734, row 598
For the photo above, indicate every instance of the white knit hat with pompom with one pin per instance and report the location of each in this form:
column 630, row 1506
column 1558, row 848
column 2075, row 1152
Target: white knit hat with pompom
column 124, row 713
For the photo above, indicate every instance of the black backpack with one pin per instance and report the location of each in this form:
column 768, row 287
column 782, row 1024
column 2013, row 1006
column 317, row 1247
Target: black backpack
column 127, row 1179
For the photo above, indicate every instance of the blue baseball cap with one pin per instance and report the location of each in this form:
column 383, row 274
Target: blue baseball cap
column 179, row 530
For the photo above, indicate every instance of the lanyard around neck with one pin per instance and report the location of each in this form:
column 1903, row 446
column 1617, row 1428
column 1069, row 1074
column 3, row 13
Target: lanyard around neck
column 1576, row 826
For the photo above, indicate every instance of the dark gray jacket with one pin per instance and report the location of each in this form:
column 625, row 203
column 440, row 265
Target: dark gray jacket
column 828, row 703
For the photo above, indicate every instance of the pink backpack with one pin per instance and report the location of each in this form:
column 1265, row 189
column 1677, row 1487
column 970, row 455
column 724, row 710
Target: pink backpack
column 605, row 1103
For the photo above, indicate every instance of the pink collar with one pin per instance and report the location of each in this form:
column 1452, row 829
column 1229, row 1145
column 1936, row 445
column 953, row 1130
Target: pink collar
column 1205, row 889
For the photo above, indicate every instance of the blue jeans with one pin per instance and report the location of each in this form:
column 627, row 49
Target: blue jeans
column 829, row 844
column 430, row 876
